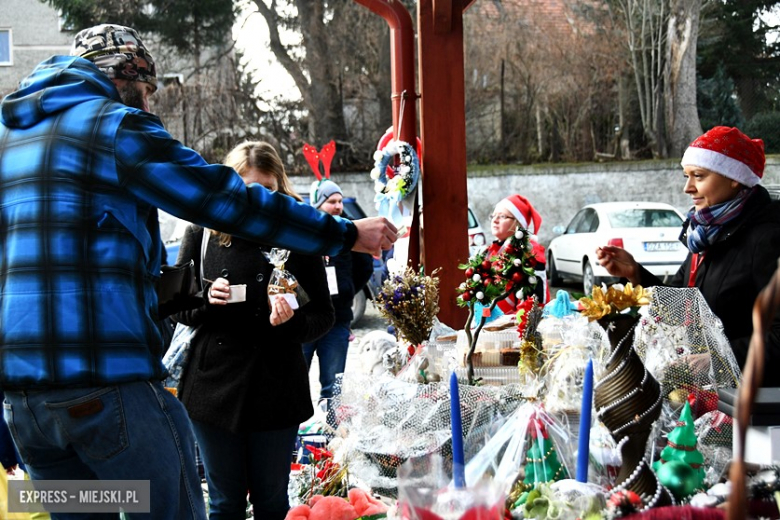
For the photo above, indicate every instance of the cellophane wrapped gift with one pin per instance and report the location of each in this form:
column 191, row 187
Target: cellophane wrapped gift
column 569, row 343
column 530, row 447
column 426, row 492
column 384, row 421
column 683, row 346
column 282, row 282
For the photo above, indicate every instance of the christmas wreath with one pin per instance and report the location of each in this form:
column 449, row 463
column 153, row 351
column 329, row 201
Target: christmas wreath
column 394, row 182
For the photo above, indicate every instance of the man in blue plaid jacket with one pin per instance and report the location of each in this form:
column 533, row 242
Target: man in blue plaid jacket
column 82, row 165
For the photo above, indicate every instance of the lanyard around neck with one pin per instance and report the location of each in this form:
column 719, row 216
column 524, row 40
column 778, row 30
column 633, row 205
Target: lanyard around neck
column 696, row 260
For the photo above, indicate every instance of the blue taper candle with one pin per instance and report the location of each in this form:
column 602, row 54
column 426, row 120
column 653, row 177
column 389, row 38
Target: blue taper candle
column 583, row 448
column 458, row 467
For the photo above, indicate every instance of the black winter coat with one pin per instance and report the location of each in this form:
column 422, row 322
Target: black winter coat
column 353, row 271
column 243, row 374
column 734, row 270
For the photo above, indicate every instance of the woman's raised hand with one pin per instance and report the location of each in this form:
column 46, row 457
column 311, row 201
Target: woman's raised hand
column 618, row 262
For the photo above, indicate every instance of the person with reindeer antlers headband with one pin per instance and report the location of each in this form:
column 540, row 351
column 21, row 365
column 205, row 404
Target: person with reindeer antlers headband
column 348, row 272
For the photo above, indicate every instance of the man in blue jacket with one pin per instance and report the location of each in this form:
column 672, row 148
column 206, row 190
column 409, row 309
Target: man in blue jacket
column 82, row 164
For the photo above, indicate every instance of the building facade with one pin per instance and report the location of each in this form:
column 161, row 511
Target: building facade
column 30, row 32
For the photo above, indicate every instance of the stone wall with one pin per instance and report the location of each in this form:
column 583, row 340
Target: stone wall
column 557, row 192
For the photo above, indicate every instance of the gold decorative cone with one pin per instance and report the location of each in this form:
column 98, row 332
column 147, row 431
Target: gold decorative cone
column 628, row 401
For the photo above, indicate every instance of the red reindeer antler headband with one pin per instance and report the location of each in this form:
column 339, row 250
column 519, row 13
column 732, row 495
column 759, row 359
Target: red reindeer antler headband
column 313, row 157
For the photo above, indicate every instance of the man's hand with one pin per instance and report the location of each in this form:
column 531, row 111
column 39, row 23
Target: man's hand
column 374, row 235
column 618, row 262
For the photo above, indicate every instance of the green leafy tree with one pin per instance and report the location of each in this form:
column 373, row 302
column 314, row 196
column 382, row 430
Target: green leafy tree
column 737, row 38
column 189, row 26
column 766, row 126
column 186, row 25
column 80, row 14
column 717, row 102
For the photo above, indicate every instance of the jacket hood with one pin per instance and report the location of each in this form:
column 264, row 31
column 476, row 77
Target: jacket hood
column 56, row 84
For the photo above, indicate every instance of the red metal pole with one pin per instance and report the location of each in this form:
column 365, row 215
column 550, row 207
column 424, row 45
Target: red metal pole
column 404, row 93
column 443, row 129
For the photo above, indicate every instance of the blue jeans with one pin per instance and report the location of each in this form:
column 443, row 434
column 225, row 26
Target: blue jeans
column 257, row 462
column 331, row 350
column 131, row 431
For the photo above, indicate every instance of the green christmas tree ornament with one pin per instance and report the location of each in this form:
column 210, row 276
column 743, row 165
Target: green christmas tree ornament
column 680, row 467
column 541, row 459
column 541, row 465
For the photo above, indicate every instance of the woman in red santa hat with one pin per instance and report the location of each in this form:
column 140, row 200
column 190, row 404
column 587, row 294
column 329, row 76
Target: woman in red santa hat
column 510, row 214
column 732, row 232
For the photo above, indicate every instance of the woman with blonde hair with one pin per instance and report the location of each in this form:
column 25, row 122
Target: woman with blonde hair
column 246, row 385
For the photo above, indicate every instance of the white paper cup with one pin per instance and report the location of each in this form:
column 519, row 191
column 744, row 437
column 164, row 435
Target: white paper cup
column 237, row 293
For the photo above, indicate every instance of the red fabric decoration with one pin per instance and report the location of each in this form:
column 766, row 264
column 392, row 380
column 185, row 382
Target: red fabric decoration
column 523, row 211
column 313, row 157
column 729, row 152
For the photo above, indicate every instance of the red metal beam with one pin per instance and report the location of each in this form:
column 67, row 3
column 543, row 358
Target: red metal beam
column 442, row 16
column 404, row 92
column 443, row 128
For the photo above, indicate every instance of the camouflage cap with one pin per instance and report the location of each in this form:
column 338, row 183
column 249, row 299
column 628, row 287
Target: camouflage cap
column 117, row 51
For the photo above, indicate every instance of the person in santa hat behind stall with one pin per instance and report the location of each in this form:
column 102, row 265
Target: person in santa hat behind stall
column 732, row 232
column 512, row 213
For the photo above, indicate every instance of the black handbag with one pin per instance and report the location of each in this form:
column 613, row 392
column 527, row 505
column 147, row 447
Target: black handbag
column 178, row 289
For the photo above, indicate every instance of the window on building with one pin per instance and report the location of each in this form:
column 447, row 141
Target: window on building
column 5, row 47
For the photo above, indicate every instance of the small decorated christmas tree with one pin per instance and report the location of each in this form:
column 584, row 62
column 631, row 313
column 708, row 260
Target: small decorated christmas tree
column 541, row 459
column 680, row 451
column 528, row 316
column 541, row 464
column 509, row 275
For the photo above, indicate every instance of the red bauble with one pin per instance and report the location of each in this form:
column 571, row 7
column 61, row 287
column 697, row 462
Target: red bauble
column 469, row 272
column 517, row 277
column 509, row 250
column 486, row 264
column 486, row 282
column 466, row 296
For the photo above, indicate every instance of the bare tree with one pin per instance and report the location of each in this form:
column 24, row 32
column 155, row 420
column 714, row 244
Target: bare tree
column 541, row 83
column 645, row 25
column 341, row 61
column 682, row 116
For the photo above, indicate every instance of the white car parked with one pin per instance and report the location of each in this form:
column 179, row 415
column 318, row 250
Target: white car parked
column 477, row 240
column 648, row 230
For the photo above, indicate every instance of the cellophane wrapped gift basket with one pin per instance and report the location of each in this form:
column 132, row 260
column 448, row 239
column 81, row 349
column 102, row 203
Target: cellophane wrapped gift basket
column 605, row 407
